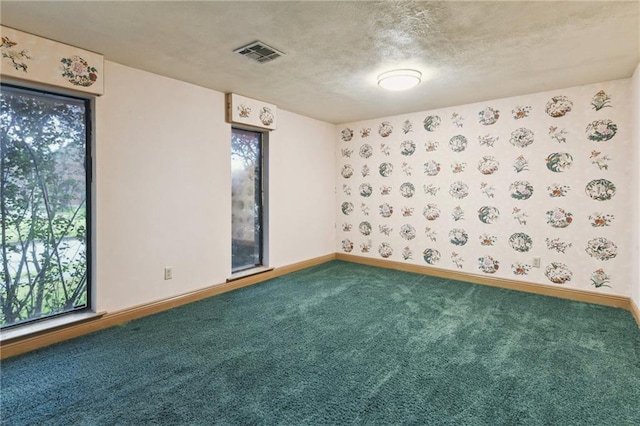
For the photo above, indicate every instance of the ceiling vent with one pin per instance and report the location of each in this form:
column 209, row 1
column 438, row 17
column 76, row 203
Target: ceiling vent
column 259, row 52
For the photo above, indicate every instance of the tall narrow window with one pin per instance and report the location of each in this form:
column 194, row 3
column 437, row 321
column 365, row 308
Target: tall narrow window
column 246, row 199
column 44, row 205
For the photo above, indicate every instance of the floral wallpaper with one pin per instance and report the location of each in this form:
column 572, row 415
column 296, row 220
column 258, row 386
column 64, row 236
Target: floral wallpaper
column 486, row 188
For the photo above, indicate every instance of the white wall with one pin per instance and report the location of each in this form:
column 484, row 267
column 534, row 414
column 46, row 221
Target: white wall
column 635, row 189
column 587, row 252
column 163, row 189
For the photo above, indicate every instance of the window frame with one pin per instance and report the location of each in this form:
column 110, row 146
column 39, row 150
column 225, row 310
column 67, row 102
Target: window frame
column 89, row 117
column 263, row 198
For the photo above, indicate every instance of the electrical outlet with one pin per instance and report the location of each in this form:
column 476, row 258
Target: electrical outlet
column 168, row 273
column 536, row 262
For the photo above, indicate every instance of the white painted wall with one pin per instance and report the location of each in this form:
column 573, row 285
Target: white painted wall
column 635, row 190
column 163, row 197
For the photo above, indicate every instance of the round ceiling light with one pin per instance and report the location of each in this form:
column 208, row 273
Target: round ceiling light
column 399, row 79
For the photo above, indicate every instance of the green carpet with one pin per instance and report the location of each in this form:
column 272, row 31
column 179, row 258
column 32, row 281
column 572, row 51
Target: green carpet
column 342, row 343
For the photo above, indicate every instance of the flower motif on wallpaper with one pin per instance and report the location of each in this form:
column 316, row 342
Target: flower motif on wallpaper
column 431, row 123
column 385, row 229
column 15, row 56
column 347, row 171
column 520, row 242
column 599, row 278
column 601, row 100
column 488, row 116
column 346, row 227
column 385, row 210
column 457, row 119
column 347, row 208
column 559, row 218
column 407, row 169
column 431, row 189
column 558, row 273
column 366, row 247
column 266, row 116
column 365, row 171
column 365, row 132
column 521, row 190
column 601, row 248
column 346, row 134
column 488, row 190
column 520, row 111
column 365, row 228
column 558, row 106
column 346, row 189
column 431, row 146
column 557, row 190
column 557, row 244
column 488, row 264
column 458, row 167
column 559, row 161
column 407, row 148
column 78, row 72
column 459, row 190
column 559, row 135
column 600, row 160
column 365, row 209
column 488, row 214
column 601, row 130
column 407, row 253
column 430, row 234
column 407, row 232
column 521, row 164
column 431, row 256
column 385, row 190
column 487, row 240
column 488, row 140
column 520, row 215
column 407, row 127
column 385, row 149
column 432, row 168
column 457, row 213
column 366, row 151
column 598, row 220
column 346, row 152
column 407, row 211
column 458, row 143
column 245, row 111
column 347, row 245
column 519, row 268
column 600, row 189
column 407, row 189
column 385, row 129
column 457, row 260
column 488, row 165
column 385, row 250
column 431, row 212
column 385, row 169
column 458, row 236
column 521, row 137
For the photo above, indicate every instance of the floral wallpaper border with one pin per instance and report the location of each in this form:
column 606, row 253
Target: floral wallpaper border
column 39, row 60
column 251, row 112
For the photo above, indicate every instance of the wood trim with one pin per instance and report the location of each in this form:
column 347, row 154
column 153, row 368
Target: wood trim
column 543, row 289
column 29, row 343
column 635, row 311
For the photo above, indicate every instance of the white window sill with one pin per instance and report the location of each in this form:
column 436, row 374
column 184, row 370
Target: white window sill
column 43, row 326
column 249, row 272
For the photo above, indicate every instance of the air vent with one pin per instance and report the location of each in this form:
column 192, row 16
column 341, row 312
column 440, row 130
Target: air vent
column 259, row 52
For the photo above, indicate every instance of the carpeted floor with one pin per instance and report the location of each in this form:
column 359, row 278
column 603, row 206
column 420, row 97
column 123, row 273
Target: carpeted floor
column 342, row 343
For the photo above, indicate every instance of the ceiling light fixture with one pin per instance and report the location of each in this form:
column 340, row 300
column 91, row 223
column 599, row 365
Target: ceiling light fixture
column 399, row 79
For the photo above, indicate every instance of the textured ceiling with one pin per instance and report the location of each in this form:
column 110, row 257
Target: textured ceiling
column 469, row 51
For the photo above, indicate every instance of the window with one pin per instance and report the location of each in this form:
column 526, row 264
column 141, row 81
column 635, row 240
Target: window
column 247, row 149
column 44, row 205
